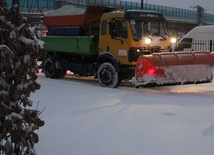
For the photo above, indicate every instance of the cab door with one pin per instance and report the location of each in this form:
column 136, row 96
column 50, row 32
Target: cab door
column 114, row 39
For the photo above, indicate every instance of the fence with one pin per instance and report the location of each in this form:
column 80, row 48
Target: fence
column 169, row 12
column 196, row 45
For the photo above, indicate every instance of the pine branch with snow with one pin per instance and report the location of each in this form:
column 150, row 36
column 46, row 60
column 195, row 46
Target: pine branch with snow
column 20, row 47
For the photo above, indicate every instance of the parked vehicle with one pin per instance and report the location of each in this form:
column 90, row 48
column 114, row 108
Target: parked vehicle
column 200, row 38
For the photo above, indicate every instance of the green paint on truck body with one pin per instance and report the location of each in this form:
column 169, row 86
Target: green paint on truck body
column 78, row 45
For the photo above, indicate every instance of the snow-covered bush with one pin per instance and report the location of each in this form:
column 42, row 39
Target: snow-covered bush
column 20, row 47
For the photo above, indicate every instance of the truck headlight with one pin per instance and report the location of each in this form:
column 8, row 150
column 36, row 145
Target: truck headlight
column 173, row 40
column 147, row 41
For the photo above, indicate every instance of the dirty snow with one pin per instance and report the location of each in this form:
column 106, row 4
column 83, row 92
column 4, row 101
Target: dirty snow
column 82, row 118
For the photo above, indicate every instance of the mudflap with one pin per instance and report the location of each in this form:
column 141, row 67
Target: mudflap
column 173, row 68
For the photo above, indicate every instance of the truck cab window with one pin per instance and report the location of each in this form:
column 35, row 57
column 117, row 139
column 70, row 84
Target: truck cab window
column 121, row 29
column 104, row 27
column 142, row 29
column 124, row 33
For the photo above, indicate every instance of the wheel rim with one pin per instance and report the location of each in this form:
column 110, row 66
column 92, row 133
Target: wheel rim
column 107, row 76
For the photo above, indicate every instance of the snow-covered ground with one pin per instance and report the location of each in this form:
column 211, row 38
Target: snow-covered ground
column 83, row 118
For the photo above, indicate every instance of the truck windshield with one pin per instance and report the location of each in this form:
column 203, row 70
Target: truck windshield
column 141, row 29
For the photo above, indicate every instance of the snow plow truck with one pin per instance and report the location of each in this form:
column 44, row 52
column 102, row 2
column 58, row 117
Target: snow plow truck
column 114, row 45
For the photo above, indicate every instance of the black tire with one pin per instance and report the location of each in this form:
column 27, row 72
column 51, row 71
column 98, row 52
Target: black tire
column 63, row 69
column 50, row 68
column 108, row 76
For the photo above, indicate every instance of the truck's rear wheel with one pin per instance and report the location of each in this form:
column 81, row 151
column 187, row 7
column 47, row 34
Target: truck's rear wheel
column 50, row 68
column 108, row 76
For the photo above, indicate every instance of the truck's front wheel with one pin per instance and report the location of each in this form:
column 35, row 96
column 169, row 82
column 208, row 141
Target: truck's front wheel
column 108, row 76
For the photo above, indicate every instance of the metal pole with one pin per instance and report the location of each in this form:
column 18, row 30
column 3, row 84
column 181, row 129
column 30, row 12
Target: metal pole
column 141, row 4
column 211, row 45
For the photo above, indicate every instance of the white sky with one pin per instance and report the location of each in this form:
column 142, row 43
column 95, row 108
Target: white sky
column 208, row 5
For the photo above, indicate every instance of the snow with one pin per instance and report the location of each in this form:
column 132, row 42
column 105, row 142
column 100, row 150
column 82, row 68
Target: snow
column 174, row 67
column 34, row 39
column 24, row 85
column 27, row 58
column 12, row 34
column 15, row 115
column 177, row 73
column 65, row 10
column 83, row 118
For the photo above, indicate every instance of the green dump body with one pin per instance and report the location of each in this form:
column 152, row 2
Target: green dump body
column 78, row 45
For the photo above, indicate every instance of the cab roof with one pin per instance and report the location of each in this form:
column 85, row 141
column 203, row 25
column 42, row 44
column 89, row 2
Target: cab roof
column 135, row 14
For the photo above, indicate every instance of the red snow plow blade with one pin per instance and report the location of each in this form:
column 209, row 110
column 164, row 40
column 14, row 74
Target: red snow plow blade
column 174, row 68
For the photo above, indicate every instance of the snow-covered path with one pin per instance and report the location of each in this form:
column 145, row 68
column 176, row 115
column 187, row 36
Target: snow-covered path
column 83, row 118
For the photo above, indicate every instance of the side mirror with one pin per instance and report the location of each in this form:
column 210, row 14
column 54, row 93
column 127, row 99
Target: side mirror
column 112, row 26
